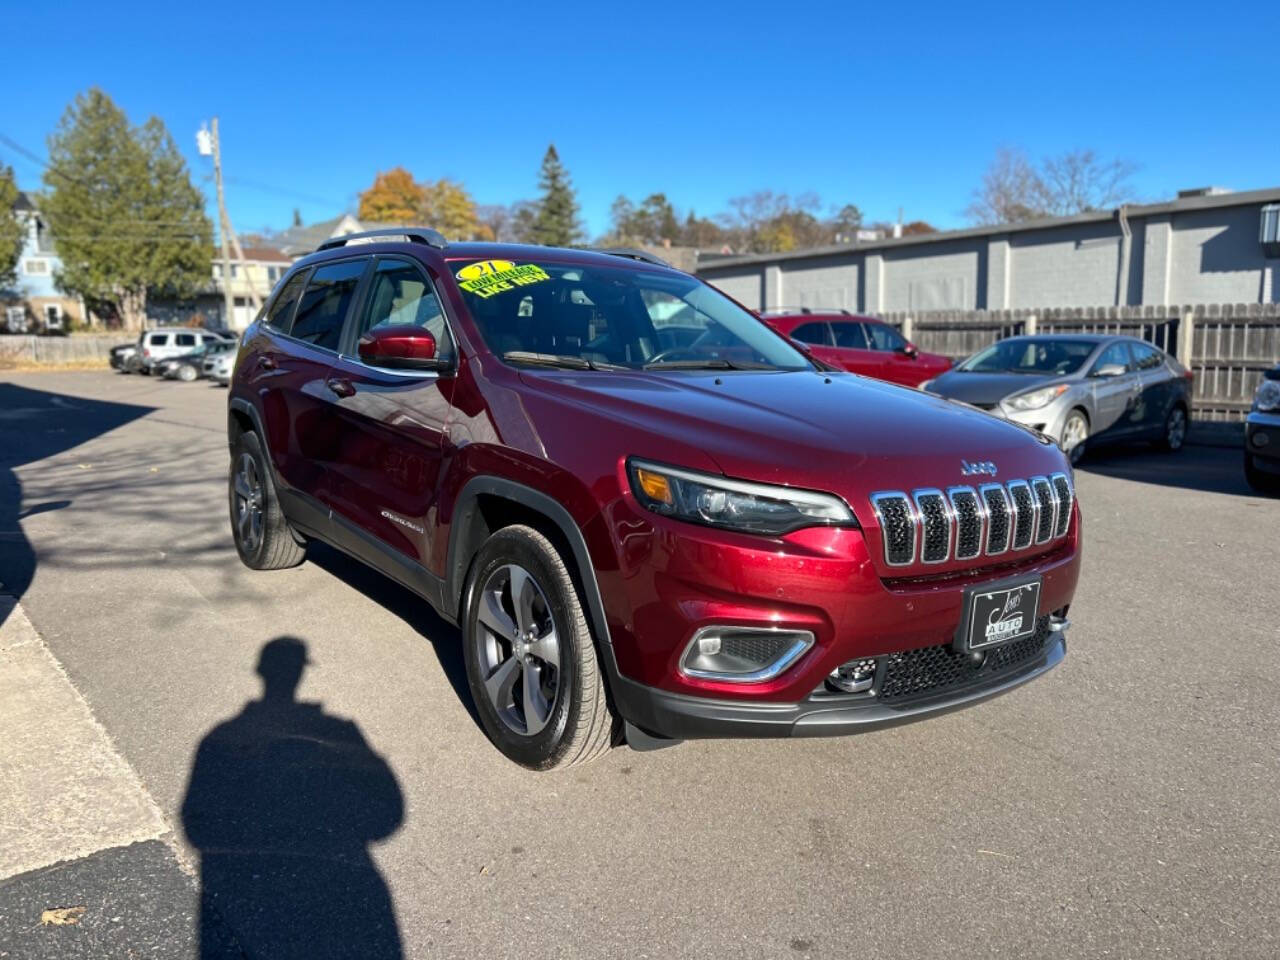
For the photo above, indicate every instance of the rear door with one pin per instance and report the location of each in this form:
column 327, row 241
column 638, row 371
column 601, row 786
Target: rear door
column 288, row 369
column 1158, row 385
column 816, row 336
column 389, row 425
column 1114, row 398
column 183, row 343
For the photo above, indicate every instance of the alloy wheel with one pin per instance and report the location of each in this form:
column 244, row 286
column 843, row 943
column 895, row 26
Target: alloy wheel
column 248, row 503
column 1074, row 434
column 519, row 649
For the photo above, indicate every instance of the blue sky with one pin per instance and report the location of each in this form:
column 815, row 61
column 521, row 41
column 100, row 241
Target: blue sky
column 884, row 105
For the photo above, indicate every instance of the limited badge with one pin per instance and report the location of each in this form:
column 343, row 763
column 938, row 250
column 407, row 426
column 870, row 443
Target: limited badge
column 484, row 278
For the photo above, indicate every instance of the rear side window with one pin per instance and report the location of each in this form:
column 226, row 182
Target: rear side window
column 184, row 339
column 1145, row 357
column 159, row 339
column 885, row 338
column 815, row 333
column 850, row 335
column 324, row 305
column 281, row 314
column 401, row 296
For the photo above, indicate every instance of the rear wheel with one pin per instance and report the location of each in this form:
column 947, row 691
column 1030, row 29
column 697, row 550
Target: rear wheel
column 531, row 662
column 262, row 535
column 1175, row 430
column 1075, row 435
column 186, row 373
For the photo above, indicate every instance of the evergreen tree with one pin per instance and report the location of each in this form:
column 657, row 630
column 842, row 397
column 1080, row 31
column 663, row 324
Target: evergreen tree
column 555, row 223
column 10, row 228
column 122, row 209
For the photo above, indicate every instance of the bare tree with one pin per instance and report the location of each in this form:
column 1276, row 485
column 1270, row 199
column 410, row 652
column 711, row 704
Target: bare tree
column 1077, row 181
column 1010, row 191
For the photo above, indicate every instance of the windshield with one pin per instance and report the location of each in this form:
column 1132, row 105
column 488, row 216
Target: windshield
column 603, row 317
column 1041, row 355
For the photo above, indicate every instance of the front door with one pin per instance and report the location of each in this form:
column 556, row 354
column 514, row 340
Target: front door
column 1114, row 397
column 390, row 425
column 854, row 352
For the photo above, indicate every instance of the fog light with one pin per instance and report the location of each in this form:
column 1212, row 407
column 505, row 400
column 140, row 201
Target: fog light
column 1261, row 439
column 743, row 654
column 856, row 676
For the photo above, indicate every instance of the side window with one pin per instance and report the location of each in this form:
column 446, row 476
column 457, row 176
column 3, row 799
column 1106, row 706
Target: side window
column 280, row 316
column 159, row 339
column 885, row 337
column 819, row 334
column 850, row 335
column 400, row 296
column 1145, row 357
column 324, row 304
column 184, row 339
column 1116, row 353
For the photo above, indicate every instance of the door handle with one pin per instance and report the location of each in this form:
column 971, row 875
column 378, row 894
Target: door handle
column 341, row 386
column 266, row 363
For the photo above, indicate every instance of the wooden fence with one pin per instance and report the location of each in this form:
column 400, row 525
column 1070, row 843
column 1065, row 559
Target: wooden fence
column 1227, row 346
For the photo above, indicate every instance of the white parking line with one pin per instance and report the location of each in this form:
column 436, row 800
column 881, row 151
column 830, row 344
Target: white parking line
column 65, row 792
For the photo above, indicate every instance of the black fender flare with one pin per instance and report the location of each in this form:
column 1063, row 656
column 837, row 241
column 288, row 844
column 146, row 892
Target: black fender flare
column 459, row 561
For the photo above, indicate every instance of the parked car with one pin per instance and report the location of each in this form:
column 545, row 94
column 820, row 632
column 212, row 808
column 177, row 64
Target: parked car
column 121, row 355
column 164, row 343
column 697, row 541
column 1079, row 389
column 219, row 368
column 190, row 366
column 858, row 344
column 1262, row 435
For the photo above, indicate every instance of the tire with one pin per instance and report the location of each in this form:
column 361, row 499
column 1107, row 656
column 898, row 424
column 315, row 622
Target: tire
column 1175, row 430
column 518, row 597
column 258, row 526
column 187, row 374
column 1260, row 481
column 1075, row 428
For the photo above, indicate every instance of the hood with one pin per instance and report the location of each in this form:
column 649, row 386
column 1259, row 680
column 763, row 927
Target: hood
column 834, row 432
column 987, row 389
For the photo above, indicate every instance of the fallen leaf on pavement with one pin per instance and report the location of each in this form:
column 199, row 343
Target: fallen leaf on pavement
column 61, row 916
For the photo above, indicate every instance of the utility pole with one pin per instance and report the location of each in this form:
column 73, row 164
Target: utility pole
column 212, row 145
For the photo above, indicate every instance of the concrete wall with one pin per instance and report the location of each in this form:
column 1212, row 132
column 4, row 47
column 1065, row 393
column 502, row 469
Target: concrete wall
column 58, row 350
column 1188, row 252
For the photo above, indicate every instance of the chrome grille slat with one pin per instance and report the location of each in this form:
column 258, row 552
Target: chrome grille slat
column 1046, row 508
column 929, row 526
column 935, row 526
column 967, row 510
column 1065, row 500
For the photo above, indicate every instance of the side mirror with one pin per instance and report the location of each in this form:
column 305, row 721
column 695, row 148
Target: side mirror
column 1109, row 370
column 400, row 348
column 909, row 349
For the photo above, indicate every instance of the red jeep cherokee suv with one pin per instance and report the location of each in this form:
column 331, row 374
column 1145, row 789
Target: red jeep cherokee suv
column 675, row 537
column 858, row 344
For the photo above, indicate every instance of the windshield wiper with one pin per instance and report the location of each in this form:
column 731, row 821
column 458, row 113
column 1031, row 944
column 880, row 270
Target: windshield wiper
column 561, row 360
column 709, row 363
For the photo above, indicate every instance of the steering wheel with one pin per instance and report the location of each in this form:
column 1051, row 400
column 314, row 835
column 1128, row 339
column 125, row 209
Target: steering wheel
column 672, row 354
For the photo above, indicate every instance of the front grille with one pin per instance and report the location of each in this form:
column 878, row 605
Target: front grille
column 934, row 670
column 964, row 524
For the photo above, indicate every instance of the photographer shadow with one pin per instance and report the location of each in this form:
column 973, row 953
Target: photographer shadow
column 283, row 803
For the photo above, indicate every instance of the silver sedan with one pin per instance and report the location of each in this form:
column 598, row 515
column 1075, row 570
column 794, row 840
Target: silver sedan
column 1079, row 389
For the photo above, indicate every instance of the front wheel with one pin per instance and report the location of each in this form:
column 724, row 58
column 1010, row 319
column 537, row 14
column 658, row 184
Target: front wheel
column 186, row 373
column 1175, row 430
column 1075, row 436
column 262, row 535
column 531, row 663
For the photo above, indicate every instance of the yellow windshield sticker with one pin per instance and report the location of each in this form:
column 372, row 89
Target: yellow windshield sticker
column 484, row 278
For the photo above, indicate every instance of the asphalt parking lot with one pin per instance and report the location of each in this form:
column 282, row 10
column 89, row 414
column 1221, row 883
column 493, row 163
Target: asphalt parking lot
column 1127, row 805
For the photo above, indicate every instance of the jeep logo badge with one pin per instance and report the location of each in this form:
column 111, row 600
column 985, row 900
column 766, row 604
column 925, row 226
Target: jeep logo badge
column 977, row 468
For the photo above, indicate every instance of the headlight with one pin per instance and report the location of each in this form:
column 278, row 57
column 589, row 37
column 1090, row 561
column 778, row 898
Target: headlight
column 732, row 504
column 1035, row 399
column 1267, row 398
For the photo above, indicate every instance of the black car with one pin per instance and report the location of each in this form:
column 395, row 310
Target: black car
column 1262, row 436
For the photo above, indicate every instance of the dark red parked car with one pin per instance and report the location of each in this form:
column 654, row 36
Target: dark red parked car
column 698, row 538
column 861, row 345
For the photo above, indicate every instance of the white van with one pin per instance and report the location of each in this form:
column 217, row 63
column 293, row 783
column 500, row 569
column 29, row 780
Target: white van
column 157, row 345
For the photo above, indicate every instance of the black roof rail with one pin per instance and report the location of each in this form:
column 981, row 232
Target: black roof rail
column 634, row 253
column 432, row 238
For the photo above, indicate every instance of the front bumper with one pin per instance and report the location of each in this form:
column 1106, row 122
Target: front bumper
column 681, row 717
